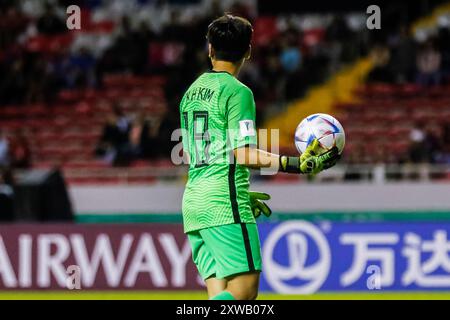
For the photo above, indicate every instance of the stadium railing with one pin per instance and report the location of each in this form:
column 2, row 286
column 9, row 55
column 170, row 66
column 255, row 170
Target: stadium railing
column 374, row 173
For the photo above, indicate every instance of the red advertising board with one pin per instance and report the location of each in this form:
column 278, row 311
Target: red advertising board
column 134, row 257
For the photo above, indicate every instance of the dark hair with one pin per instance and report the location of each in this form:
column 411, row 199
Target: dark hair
column 230, row 37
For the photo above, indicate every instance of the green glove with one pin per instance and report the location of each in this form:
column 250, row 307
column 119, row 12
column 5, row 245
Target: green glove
column 311, row 161
column 258, row 205
column 313, row 149
column 316, row 164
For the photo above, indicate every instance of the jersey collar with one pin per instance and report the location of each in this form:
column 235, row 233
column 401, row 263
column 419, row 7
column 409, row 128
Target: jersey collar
column 214, row 71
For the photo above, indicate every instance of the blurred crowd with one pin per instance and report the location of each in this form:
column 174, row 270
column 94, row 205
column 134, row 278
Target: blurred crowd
column 14, row 153
column 159, row 37
column 405, row 57
column 14, row 150
column 126, row 138
column 402, row 58
column 290, row 53
column 429, row 144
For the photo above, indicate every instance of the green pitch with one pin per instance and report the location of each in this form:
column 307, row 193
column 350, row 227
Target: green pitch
column 196, row 295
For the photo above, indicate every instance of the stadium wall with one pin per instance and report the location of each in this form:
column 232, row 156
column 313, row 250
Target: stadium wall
column 161, row 202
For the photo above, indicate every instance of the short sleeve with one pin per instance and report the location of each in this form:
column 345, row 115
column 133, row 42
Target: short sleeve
column 241, row 115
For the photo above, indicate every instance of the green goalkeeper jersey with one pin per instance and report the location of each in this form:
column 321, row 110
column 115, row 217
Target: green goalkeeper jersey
column 217, row 116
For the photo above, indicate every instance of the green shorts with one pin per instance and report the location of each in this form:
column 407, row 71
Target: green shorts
column 226, row 250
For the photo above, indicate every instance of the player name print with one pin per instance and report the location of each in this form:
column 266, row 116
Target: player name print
column 200, row 93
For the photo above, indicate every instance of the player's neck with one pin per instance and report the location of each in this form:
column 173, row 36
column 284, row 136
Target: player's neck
column 231, row 68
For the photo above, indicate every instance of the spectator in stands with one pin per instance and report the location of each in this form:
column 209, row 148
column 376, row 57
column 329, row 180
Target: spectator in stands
column 125, row 51
column 59, row 66
column 4, row 150
column 153, row 145
column 20, row 151
column 381, row 58
column 123, row 122
column 428, row 65
column 6, row 195
column 115, row 135
column 446, row 134
column 12, row 23
column 291, row 60
column 272, row 72
column 168, row 124
column 156, row 139
column 425, row 144
column 14, row 82
column 106, row 147
column 443, row 43
column 28, row 78
column 174, row 30
column 137, row 138
column 50, row 23
column 40, row 81
column 81, row 69
column 443, row 155
column 418, row 149
column 434, row 141
column 342, row 44
column 403, row 48
column 142, row 37
column 290, row 56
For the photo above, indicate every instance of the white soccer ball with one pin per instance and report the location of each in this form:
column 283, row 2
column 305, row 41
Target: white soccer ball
column 322, row 127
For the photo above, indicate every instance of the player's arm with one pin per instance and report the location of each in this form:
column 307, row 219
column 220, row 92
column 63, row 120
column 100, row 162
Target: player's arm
column 241, row 114
column 242, row 132
column 255, row 158
column 310, row 162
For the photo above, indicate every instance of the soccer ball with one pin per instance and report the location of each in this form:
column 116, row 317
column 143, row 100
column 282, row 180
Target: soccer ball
column 322, row 127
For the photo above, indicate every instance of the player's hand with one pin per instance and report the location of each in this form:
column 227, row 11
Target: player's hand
column 312, row 150
column 258, row 205
column 311, row 162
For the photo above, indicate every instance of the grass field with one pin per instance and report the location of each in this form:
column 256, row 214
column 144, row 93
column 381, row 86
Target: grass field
column 196, row 295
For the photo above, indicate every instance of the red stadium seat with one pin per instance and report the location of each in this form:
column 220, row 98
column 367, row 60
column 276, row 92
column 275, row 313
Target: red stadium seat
column 265, row 30
column 312, row 37
column 66, row 133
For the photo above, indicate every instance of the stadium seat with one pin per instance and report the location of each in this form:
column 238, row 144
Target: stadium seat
column 265, row 30
column 65, row 134
column 382, row 120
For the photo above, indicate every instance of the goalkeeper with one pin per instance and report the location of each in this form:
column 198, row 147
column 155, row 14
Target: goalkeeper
column 219, row 140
